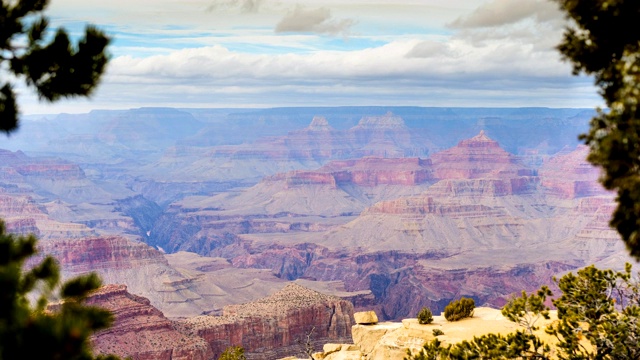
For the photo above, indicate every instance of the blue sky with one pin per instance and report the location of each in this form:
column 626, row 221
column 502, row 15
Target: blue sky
column 265, row 53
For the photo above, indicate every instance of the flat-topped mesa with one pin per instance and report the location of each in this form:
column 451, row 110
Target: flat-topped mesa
column 270, row 328
column 365, row 172
column 301, row 178
column 386, row 121
column 475, row 158
column 568, row 175
column 104, row 253
column 141, row 331
column 423, row 206
column 39, row 167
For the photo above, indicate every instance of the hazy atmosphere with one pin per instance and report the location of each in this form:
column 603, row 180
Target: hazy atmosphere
column 265, row 53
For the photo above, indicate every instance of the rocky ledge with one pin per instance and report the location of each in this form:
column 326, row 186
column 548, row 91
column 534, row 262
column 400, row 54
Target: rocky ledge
column 391, row 340
column 274, row 326
column 141, row 331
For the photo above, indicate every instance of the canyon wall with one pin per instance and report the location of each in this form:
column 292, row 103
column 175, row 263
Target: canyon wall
column 273, row 327
column 140, row 331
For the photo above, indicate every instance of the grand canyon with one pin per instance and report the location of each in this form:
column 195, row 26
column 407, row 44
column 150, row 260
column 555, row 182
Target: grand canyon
column 258, row 227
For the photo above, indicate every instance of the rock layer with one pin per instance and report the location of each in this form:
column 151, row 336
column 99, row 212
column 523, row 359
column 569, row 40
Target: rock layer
column 141, row 331
column 569, row 175
column 272, row 327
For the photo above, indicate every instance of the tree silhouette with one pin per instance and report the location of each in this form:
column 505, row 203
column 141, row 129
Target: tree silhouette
column 54, row 66
column 30, row 328
column 603, row 40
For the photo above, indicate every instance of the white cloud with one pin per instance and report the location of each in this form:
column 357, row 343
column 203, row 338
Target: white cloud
column 319, row 21
column 497, row 73
column 502, row 12
column 170, row 53
column 246, row 6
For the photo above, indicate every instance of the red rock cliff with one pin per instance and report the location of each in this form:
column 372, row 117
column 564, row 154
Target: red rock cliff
column 96, row 253
column 475, row 158
column 365, row 172
column 270, row 328
column 141, row 331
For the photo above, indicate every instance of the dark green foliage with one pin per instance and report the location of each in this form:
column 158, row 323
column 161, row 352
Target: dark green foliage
column 603, row 307
column 425, row 316
column 437, row 332
column 459, row 309
column 599, row 318
column 518, row 345
column 56, row 68
column 233, row 353
column 604, row 41
column 35, row 332
column 526, row 310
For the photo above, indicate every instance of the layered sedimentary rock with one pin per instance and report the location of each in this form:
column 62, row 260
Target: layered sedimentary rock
column 384, row 136
column 49, row 168
column 484, row 227
column 475, row 158
column 373, row 171
column 271, row 327
column 23, row 216
column 50, row 177
column 365, row 172
column 309, row 201
column 99, row 253
column 568, row 175
column 140, row 331
column 120, row 260
column 308, row 148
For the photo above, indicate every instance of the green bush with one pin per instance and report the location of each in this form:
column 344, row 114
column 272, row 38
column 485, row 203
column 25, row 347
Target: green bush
column 598, row 318
column 437, row 332
column 425, row 316
column 459, row 309
column 233, row 353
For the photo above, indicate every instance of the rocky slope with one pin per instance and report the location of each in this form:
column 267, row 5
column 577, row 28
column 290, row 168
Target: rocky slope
column 120, row 260
column 140, row 331
column 271, row 327
column 568, row 175
column 51, row 178
column 475, row 158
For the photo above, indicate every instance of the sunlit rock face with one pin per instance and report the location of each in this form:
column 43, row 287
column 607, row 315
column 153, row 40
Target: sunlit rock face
column 271, row 327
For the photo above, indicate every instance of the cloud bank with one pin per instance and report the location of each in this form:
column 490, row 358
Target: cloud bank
column 280, row 53
column 318, row 21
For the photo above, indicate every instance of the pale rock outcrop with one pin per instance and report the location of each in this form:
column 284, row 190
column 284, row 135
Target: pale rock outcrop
column 271, row 327
column 391, row 340
column 365, row 317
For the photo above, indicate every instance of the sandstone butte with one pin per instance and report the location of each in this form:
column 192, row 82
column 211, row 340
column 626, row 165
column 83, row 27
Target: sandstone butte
column 268, row 328
column 391, row 340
